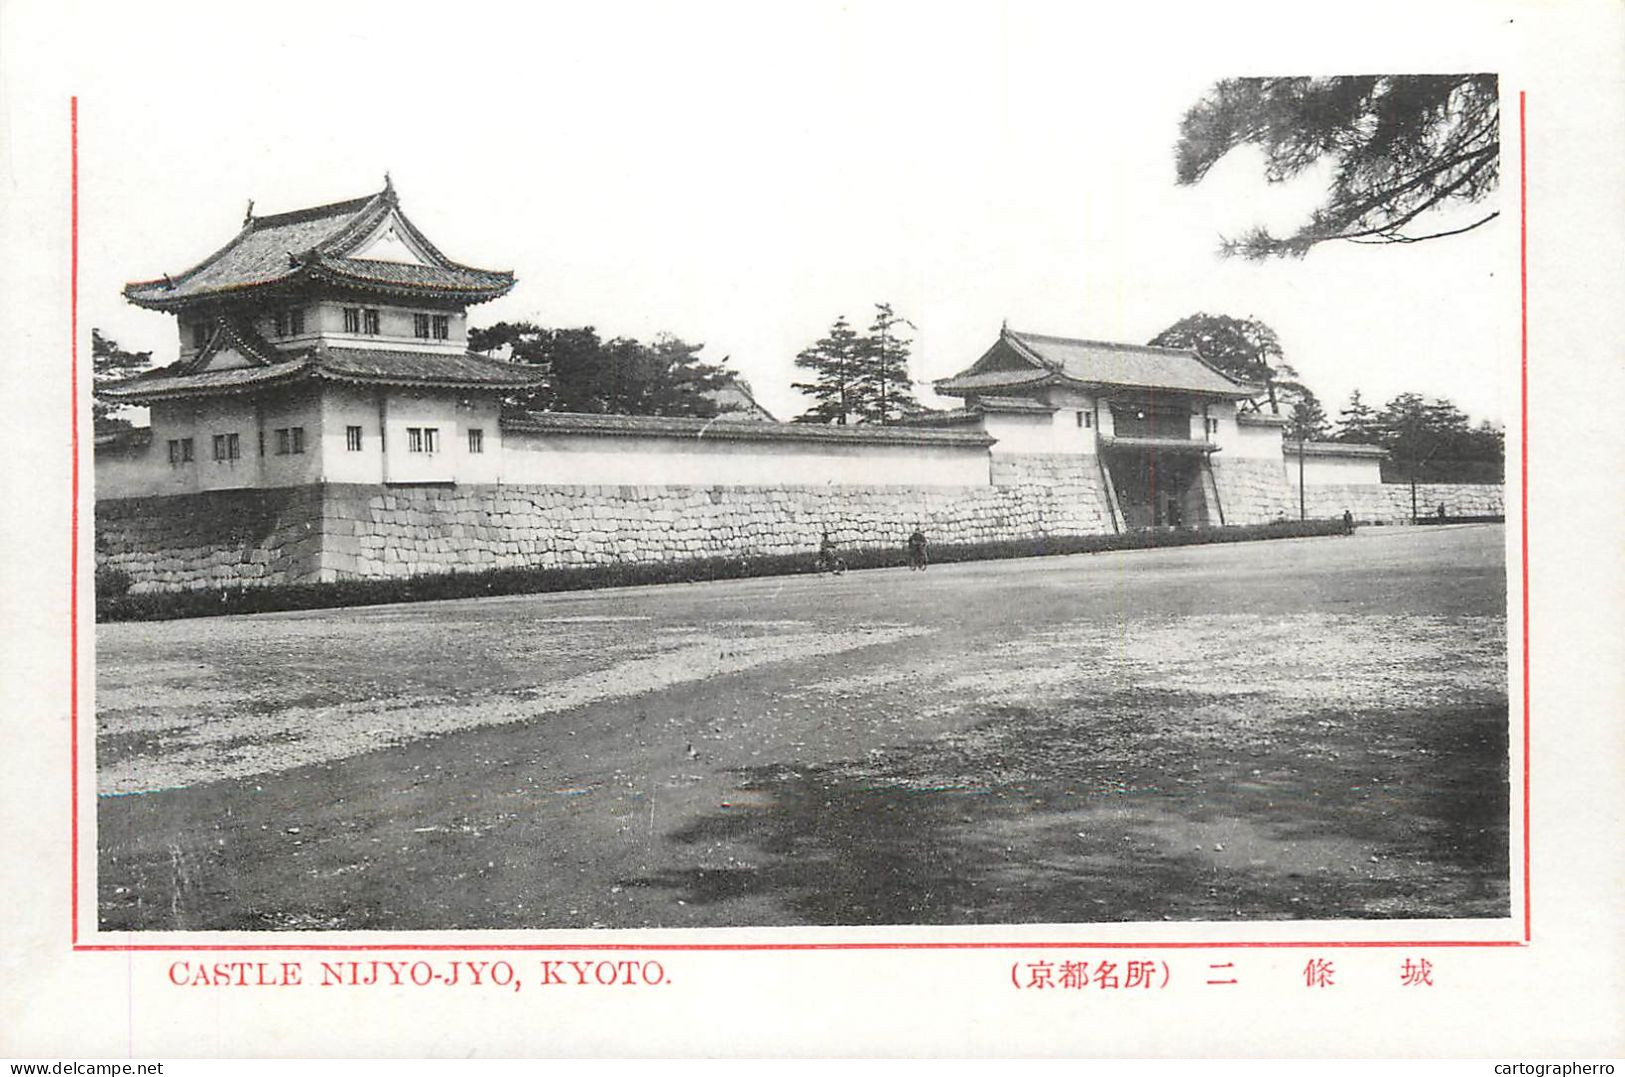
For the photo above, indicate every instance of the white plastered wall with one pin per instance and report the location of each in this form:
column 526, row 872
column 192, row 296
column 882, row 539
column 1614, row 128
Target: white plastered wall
column 1321, row 470
column 533, row 458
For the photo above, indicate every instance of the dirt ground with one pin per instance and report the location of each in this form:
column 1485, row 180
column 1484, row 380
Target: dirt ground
column 1314, row 728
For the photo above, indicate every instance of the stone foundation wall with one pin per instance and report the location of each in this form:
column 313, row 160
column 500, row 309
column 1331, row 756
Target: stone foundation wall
column 370, row 532
column 1391, row 502
column 225, row 538
column 339, row 531
column 1253, row 491
column 342, row 531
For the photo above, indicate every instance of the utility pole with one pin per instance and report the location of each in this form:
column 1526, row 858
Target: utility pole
column 1301, row 513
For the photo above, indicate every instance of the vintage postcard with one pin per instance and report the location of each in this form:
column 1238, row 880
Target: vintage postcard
column 813, row 529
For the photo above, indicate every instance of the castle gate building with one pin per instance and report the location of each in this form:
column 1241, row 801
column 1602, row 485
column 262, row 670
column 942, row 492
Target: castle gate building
column 1155, row 421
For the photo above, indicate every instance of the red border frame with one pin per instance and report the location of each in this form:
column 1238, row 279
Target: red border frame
column 1126, row 944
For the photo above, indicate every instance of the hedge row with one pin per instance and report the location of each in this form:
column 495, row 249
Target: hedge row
column 1425, row 520
column 112, row 605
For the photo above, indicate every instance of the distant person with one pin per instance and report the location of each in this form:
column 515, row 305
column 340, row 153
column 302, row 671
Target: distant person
column 917, row 550
column 1440, row 513
column 828, row 559
column 1348, row 522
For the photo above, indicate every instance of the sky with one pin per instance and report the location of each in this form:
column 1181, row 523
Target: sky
column 741, row 174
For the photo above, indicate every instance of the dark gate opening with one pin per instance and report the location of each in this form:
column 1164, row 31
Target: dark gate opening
column 1159, row 489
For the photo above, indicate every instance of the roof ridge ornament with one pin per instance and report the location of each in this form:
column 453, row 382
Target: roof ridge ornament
column 248, row 214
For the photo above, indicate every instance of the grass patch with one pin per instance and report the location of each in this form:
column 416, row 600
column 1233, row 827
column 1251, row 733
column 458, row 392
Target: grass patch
column 118, row 605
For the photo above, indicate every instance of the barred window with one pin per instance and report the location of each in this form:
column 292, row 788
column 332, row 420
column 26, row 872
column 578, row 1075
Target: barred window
column 352, row 319
column 296, row 322
column 476, row 439
column 282, row 441
column 174, row 451
column 414, row 439
column 186, row 450
column 442, row 326
column 226, row 447
column 431, row 439
column 297, row 435
column 420, row 326
column 279, row 323
column 352, row 438
column 369, row 322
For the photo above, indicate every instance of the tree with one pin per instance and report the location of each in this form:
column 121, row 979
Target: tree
column 834, row 361
column 885, row 391
column 1433, row 441
column 1403, row 146
column 1244, row 348
column 1357, row 422
column 618, row 377
column 110, row 363
column 1306, row 419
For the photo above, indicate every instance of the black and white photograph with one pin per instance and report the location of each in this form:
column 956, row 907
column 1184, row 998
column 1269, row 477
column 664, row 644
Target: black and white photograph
column 1026, row 552
column 808, row 475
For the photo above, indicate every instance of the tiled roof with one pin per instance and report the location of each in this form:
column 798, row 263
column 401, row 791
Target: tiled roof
column 950, row 417
column 1335, row 448
column 979, row 406
column 238, row 334
column 425, row 368
column 391, row 275
column 172, row 381
column 1014, row 403
column 438, row 370
column 563, row 422
column 738, row 403
column 1026, row 359
column 994, row 379
column 132, row 439
column 1164, row 444
column 287, row 248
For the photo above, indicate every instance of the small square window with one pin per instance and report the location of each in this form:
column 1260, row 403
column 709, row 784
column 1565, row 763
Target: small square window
column 352, row 319
column 442, row 326
column 476, row 440
column 352, row 438
column 420, row 326
column 414, row 439
column 369, row 322
column 282, row 443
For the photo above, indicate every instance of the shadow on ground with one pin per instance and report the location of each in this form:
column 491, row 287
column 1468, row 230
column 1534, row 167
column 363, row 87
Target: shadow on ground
column 1105, row 814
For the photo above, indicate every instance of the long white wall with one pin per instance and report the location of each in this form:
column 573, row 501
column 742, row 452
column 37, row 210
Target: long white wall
column 1320, row 470
column 549, row 458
